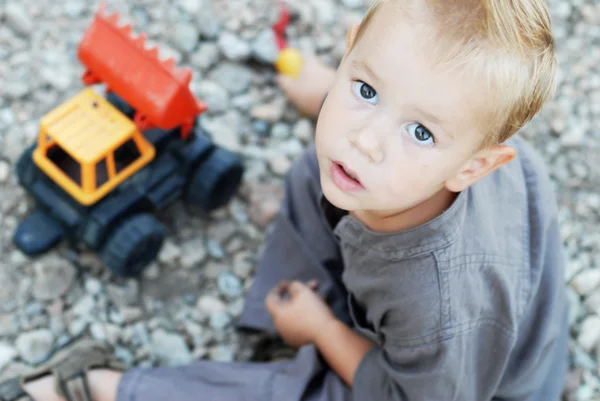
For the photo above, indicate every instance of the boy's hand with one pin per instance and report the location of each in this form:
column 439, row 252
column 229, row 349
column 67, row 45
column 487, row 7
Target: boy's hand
column 308, row 90
column 298, row 312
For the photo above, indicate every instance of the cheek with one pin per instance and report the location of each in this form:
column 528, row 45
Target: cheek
column 414, row 176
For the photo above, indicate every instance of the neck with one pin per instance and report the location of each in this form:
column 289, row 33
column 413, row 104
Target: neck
column 395, row 221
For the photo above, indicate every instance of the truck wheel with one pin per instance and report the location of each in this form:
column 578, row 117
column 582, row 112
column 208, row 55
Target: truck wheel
column 120, row 104
column 133, row 245
column 25, row 166
column 215, row 180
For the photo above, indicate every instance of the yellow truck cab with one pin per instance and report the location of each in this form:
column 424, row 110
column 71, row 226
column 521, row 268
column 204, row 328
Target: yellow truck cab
column 88, row 147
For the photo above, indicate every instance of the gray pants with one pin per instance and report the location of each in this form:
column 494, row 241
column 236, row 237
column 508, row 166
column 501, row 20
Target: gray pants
column 300, row 246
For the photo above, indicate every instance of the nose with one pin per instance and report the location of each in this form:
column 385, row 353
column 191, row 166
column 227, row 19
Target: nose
column 369, row 143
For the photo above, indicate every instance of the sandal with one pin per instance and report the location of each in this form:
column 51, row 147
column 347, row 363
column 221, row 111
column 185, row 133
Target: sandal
column 69, row 368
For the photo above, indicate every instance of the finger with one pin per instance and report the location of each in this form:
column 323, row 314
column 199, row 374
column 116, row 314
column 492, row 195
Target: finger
column 313, row 285
column 295, row 288
column 284, row 82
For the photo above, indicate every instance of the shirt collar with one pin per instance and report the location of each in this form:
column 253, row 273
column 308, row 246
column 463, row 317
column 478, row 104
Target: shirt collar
column 435, row 234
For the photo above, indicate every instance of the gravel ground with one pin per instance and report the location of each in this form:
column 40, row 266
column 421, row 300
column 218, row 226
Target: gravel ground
column 187, row 302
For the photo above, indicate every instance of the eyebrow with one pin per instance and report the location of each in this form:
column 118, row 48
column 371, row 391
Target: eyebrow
column 361, row 65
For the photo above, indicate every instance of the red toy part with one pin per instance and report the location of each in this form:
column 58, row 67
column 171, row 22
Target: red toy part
column 154, row 87
column 281, row 25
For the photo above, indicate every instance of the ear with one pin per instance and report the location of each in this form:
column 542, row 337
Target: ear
column 483, row 163
column 350, row 38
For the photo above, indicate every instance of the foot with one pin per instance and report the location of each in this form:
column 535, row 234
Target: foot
column 102, row 383
column 308, row 90
column 84, row 371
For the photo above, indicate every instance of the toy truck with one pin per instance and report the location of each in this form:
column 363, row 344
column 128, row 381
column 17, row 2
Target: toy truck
column 103, row 163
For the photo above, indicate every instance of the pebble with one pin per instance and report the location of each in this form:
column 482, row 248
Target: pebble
column 219, row 320
column 279, row 164
column 93, row 286
column 214, row 95
column 209, row 304
column 185, row 37
column 35, row 347
column 235, row 78
column 193, row 253
column 7, row 354
column 53, row 278
column 18, row 19
column 169, row 253
column 170, row 348
column 589, row 333
column 264, row 47
column 221, row 353
column 281, row 131
column 215, row 249
column 304, row 130
column 233, row 48
column 586, row 281
column 206, row 56
column 271, row 112
column 229, row 285
column 4, row 172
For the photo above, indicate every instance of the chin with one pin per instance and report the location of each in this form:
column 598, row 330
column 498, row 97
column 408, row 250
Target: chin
column 338, row 198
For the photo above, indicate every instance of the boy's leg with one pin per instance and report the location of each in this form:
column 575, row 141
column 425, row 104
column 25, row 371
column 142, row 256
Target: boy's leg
column 300, row 246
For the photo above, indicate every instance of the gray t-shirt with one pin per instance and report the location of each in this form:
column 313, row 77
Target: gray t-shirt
column 470, row 306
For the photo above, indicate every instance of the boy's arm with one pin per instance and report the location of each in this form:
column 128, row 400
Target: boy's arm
column 342, row 348
column 307, row 91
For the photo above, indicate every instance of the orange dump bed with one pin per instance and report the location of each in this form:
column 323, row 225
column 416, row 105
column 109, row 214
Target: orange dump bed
column 155, row 88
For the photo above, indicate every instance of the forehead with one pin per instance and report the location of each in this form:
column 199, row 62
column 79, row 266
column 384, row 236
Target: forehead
column 401, row 51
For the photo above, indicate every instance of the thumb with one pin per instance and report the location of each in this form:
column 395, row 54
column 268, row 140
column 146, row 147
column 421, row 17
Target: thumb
column 295, row 288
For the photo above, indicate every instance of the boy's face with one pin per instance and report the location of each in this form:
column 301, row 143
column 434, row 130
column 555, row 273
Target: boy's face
column 402, row 127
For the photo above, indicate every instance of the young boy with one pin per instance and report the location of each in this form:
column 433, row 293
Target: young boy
column 417, row 254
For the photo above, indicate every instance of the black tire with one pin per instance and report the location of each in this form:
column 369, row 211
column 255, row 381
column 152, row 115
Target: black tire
column 133, row 245
column 120, row 104
column 25, row 166
column 215, row 180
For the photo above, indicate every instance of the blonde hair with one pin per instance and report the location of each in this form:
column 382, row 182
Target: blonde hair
column 509, row 43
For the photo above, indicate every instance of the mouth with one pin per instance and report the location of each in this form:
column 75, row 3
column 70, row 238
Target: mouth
column 345, row 178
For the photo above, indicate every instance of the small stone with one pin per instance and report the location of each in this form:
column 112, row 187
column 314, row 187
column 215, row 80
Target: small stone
column 209, row 304
column 214, row 95
column 34, row 347
column 170, row 348
column 84, row 306
column 53, row 278
column 206, row 56
column 241, row 266
column 18, row 19
column 265, row 202
column 586, row 282
column 16, row 89
column 352, row 3
column 271, row 112
column 93, row 286
column 279, row 164
column 260, row 127
column 229, row 285
column 281, row 131
column 131, row 314
column 219, row 321
column 264, row 47
column 589, row 333
column 222, row 353
column 7, row 354
column 152, row 272
column 77, row 327
column 304, row 130
column 185, row 37
column 193, row 253
column 235, row 78
column 215, row 249
column 4, row 171
column 169, row 253
column 233, row 48
column 325, row 11
column 191, row 6
column 209, row 25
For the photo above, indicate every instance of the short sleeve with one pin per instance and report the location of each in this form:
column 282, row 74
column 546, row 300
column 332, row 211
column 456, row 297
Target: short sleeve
column 465, row 366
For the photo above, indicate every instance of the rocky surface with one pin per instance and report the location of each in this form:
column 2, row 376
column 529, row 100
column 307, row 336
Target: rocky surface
column 187, row 302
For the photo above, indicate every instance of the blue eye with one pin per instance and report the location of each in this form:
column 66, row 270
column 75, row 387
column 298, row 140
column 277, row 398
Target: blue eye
column 420, row 134
column 365, row 91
